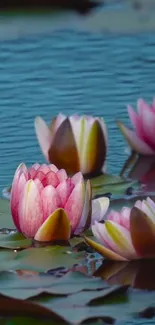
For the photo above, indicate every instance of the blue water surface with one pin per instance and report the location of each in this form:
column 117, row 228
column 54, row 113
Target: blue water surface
column 70, row 71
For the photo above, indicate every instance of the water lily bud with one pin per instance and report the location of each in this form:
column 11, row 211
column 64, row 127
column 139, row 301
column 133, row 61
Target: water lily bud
column 47, row 205
column 142, row 138
column 128, row 234
column 75, row 143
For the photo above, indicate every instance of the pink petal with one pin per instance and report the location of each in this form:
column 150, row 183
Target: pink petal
column 125, row 218
column 96, row 234
column 78, row 177
column 40, row 175
column 136, row 121
column 44, row 168
column 114, row 216
column 36, row 166
column 104, row 129
column 60, row 118
column 62, row 175
column 53, row 168
column 151, row 203
column 64, row 190
column 32, row 173
column 18, row 183
column 85, row 220
column 99, row 231
column 99, row 208
column 50, row 200
column 30, row 210
column 38, row 184
column 135, row 142
column 44, row 135
column 50, row 179
column 141, row 106
column 138, row 204
column 148, row 123
column 119, row 246
column 75, row 204
column 153, row 103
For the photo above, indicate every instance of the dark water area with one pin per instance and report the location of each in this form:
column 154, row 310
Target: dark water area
column 70, row 71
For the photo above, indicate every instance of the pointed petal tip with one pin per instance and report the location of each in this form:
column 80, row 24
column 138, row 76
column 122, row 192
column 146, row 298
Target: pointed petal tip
column 55, row 228
column 103, row 251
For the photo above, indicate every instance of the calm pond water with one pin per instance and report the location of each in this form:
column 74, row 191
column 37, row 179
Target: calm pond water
column 69, row 71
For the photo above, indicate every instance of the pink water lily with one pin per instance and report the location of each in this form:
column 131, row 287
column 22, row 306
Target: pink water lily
column 76, row 143
column 128, row 234
column 142, row 138
column 48, row 205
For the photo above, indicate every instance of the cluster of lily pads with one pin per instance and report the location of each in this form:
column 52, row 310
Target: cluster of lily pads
column 53, row 202
column 64, row 214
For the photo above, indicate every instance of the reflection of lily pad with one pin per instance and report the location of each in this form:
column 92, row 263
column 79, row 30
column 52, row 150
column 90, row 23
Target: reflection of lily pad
column 114, row 185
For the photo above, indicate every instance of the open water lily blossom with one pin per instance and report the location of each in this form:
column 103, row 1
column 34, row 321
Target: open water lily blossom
column 47, row 205
column 142, row 138
column 128, row 234
column 75, row 143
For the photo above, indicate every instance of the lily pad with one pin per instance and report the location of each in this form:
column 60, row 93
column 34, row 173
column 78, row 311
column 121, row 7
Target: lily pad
column 14, row 241
column 113, row 185
column 45, row 258
column 25, row 287
column 11, row 306
column 5, row 215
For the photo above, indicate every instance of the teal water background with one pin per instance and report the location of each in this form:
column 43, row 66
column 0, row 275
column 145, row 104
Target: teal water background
column 70, row 71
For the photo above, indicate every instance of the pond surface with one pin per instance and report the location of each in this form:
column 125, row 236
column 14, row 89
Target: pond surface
column 69, row 71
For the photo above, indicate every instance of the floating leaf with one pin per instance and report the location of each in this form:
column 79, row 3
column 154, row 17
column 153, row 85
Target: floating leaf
column 45, row 258
column 114, row 185
column 14, row 241
column 89, row 297
column 5, row 215
column 11, row 306
column 25, row 287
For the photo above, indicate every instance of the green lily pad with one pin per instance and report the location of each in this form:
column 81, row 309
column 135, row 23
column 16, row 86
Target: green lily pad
column 89, row 297
column 115, row 185
column 45, row 258
column 14, row 241
column 5, row 215
column 25, row 287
